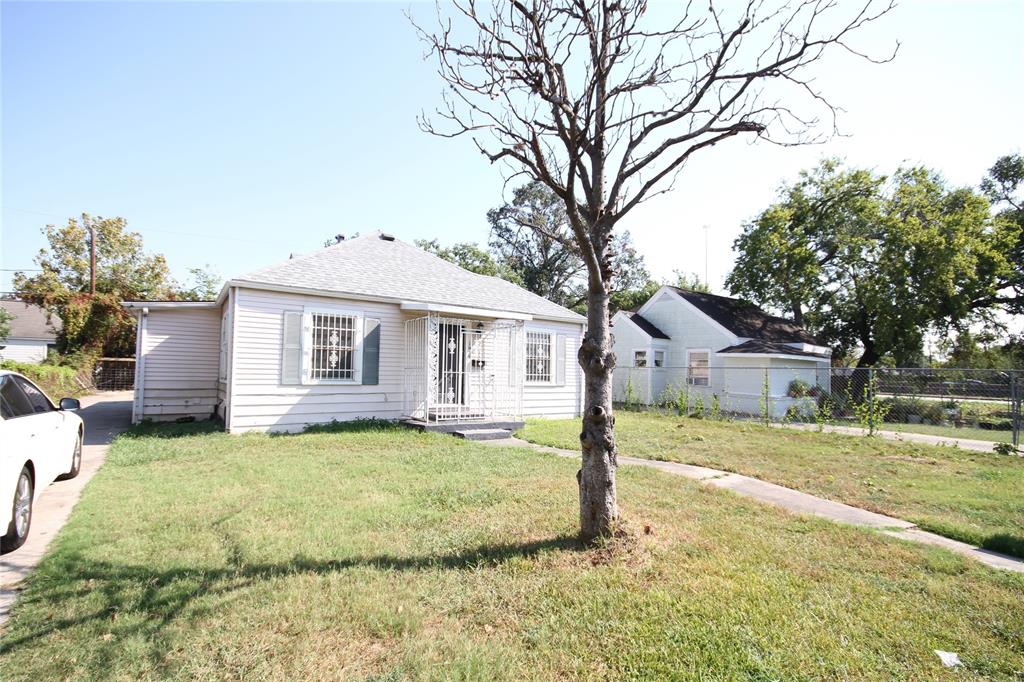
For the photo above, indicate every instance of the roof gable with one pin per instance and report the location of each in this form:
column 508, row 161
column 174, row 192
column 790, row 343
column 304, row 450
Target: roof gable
column 746, row 320
column 382, row 267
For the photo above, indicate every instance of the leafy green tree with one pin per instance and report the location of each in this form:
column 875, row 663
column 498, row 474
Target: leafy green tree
column 1002, row 185
column 982, row 350
column 205, row 285
column 691, row 281
column 872, row 263
column 95, row 324
column 5, row 325
column 466, row 255
column 531, row 236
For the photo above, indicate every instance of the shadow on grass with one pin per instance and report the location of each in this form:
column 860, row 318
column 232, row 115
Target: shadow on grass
column 149, row 429
column 1004, row 543
column 163, row 597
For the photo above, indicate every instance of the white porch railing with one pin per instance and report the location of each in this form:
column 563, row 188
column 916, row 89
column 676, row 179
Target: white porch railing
column 463, row 369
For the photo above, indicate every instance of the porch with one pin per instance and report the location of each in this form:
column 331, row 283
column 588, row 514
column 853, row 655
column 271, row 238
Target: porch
column 463, row 370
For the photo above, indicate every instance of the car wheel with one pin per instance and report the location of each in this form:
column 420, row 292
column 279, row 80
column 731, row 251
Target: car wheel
column 76, row 461
column 21, row 519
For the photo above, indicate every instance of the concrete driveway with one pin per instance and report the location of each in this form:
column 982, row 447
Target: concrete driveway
column 105, row 415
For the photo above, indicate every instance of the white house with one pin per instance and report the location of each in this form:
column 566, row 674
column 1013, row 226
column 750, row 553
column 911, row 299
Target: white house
column 33, row 332
column 714, row 346
column 371, row 327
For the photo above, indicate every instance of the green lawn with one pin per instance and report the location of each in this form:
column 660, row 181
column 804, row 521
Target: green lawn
column 388, row 555
column 971, row 496
column 965, row 432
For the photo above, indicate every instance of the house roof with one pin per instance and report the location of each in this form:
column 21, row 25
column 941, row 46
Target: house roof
column 746, row 320
column 30, row 321
column 646, row 326
column 380, row 266
column 771, row 348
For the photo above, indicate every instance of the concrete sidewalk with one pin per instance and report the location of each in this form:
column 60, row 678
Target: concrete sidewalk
column 797, row 503
column 905, row 436
column 105, row 415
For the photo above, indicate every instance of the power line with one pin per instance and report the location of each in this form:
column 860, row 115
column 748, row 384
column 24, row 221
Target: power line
column 145, row 230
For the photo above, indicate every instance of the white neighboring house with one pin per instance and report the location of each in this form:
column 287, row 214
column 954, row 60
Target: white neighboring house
column 371, row 327
column 713, row 345
column 33, row 332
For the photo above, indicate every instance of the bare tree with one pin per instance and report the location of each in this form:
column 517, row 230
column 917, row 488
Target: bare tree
column 600, row 103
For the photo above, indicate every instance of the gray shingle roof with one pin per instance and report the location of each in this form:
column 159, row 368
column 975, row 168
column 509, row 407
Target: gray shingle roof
column 30, row 321
column 647, row 326
column 756, row 346
column 746, row 319
column 393, row 269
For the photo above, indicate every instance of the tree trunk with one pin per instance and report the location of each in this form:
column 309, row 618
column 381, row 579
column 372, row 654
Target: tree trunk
column 596, row 477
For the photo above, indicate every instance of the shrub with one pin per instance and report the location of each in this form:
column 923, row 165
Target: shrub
column 798, row 388
column 57, row 381
column 1005, row 449
column 698, row 407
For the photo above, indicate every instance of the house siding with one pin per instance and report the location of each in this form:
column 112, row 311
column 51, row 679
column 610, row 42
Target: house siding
column 24, row 350
column 688, row 329
column 180, row 351
column 260, row 402
column 631, row 383
column 551, row 400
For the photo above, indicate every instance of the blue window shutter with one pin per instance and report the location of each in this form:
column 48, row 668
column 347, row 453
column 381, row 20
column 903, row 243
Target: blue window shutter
column 371, row 352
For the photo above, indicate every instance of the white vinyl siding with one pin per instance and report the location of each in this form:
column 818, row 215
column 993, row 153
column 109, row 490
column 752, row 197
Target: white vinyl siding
column 181, row 363
column 23, row 350
column 263, row 402
column 562, row 397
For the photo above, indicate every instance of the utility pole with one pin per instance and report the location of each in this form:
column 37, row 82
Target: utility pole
column 92, row 259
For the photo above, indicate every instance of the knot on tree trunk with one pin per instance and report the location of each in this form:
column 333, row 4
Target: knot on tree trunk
column 592, row 356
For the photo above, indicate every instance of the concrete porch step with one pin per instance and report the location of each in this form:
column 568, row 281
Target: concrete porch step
column 482, row 434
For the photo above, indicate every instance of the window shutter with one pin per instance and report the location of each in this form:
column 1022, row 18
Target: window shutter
column 291, row 349
column 560, row 360
column 371, row 352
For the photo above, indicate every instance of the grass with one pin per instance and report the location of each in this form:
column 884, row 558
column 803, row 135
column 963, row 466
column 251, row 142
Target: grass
column 963, row 494
column 965, row 432
column 382, row 554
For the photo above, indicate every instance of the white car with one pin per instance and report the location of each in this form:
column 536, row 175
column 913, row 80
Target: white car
column 39, row 443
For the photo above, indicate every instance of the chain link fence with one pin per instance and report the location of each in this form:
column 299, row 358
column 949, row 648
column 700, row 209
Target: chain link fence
column 973, row 404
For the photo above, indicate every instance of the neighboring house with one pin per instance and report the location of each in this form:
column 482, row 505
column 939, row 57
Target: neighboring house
column 369, row 327
column 33, row 332
column 707, row 345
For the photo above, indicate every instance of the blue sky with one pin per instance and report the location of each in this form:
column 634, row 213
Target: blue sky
column 235, row 133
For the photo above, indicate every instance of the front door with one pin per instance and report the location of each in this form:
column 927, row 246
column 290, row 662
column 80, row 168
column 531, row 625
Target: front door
column 451, row 365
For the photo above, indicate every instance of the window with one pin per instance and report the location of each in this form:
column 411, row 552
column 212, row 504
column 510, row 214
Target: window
column 38, row 399
column 659, row 358
column 538, row 357
column 13, row 402
column 639, row 358
column 697, row 373
column 332, row 348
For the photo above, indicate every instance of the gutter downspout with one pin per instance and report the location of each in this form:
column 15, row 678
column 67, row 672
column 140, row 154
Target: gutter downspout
column 230, row 388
